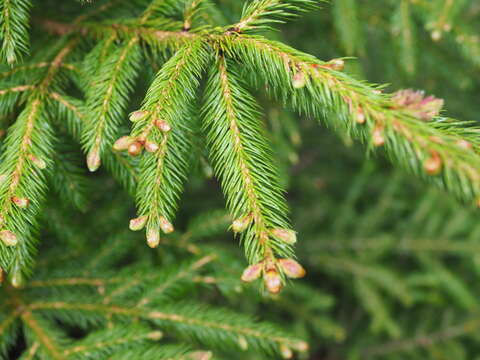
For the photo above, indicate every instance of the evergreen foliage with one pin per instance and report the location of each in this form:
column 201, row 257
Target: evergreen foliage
column 165, row 95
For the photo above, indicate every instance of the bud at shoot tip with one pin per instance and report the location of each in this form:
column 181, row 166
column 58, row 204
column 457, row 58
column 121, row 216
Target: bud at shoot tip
column 8, row 238
column 123, row 143
column 153, row 238
column 138, row 115
column 138, row 223
column 93, row 160
column 286, row 235
column 291, row 268
column 252, row 272
column 166, row 225
column 272, row 281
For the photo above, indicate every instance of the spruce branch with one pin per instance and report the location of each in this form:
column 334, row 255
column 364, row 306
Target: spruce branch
column 27, row 152
column 107, row 99
column 443, row 150
column 259, row 15
column 245, row 168
column 163, row 126
column 14, row 23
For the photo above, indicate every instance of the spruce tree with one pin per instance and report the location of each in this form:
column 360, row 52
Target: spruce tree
column 184, row 123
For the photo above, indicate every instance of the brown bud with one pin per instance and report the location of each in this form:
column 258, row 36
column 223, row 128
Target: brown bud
column 291, row 268
column 272, row 281
column 360, row 116
column 138, row 223
column 301, row 346
column 337, row 64
column 163, row 125
column 8, row 238
column 151, row 147
column 286, row 235
column 135, row 148
column 252, row 272
column 433, row 165
column 93, row 160
column 286, row 351
column 1, row 276
column 436, row 35
column 240, row 224
column 242, row 342
column 155, row 335
column 464, row 144
column 138, row 115
column 377, row 137
column 39, row 163
column 20, row 202
column 153, row 238
column 16, row 279
column 200, row 355
column 123, row 143
column 166, row 225
column 298, row 80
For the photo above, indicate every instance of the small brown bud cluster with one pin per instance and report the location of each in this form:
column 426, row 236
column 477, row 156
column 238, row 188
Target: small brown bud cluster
column 271, row 269
column 153, row 233
column 135, row 145
column 424, row 108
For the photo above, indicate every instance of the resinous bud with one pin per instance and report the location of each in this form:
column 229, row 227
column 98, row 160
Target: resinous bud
column 337, row 64
column 291, row 268
column 39, row 163
column 252, row 272
column 135, row 148
column 200, row 355
column 138, row 223
column 123, row 143
column 240, row 224
column 153, row 238
column 286, row 352
column 298, row 80
column 138, row 115
column 8, row 238
column 155, row 335
column 272, row 281
column 377, row 137
column 163, row 125
column 242, row 342
column 286, row 235
column 17, row 279
column 151, row 146
column 93, row 160
column 20, row 202
column 433, row 164
column 166, row 225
